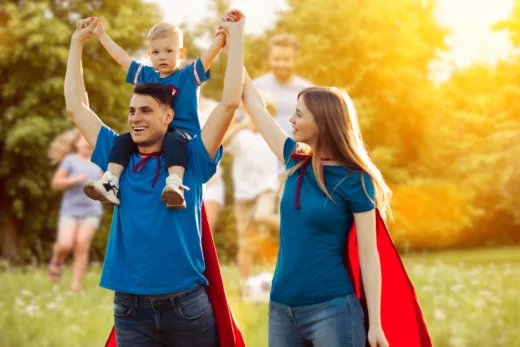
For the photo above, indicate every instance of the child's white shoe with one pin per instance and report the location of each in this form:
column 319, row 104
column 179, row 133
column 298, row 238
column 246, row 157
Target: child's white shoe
column 105, row 190
column 173, row 193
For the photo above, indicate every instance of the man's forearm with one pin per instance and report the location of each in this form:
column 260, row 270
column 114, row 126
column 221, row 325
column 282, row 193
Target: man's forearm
column 115, row 51
column 75, row 94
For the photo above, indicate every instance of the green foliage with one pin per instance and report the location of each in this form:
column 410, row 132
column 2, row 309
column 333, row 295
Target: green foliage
column 33, row 56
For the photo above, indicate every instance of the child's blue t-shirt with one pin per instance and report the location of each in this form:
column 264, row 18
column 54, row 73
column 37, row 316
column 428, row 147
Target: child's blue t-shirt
column 184, row 84
column 152, row 249
column 310, row 267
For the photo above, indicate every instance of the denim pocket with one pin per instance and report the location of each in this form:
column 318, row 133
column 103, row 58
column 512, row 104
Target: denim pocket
column 122, row 308
column 195, row 306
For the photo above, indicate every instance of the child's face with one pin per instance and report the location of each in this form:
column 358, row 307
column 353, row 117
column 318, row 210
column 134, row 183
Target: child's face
column 165, row 53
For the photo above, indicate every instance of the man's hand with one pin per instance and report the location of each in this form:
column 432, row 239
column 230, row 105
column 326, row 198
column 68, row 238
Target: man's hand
column 233, row 21
column 84, row 28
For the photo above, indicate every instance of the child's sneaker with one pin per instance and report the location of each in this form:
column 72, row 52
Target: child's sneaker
column 105, row 190
column 173, row 193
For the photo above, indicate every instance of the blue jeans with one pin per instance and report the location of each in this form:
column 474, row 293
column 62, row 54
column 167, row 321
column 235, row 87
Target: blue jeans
column 180, row 320
column 335, row 323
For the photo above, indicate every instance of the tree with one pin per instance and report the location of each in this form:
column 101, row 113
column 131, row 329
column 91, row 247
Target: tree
column 34, row 43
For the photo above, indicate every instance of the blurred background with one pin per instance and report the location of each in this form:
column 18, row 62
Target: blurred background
column 437, row 89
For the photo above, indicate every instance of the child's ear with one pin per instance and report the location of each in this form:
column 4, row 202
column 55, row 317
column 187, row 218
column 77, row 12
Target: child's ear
column 149, row 53
column 183, row 52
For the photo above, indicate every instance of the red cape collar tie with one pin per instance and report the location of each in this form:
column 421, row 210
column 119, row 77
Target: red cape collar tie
column 142, row 163
column 308, row 159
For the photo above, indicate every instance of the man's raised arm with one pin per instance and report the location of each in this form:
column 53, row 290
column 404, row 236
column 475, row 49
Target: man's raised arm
column 75, row 95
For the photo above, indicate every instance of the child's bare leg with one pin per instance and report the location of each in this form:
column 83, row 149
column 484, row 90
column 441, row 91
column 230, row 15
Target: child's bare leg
column 116, row 170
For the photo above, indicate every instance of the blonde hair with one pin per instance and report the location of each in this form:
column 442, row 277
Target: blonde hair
column 339, row 135
column 165, row 29
column 285, row 40
column 63, row 144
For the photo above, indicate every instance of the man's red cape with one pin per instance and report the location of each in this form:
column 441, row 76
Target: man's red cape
column 401, row 315
column 228, row 332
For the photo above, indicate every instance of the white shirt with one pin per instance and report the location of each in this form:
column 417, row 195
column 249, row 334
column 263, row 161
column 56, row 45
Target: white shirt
column 255, row 167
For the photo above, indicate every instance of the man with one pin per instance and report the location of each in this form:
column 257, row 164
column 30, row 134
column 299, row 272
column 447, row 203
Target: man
column 156, row 258
column 281, row 83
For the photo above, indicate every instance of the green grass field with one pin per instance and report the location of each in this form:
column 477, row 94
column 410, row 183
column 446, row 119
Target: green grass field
column 469, row 298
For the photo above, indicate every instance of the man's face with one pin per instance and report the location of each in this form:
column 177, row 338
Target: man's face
column 282, row 61
column 148, row 120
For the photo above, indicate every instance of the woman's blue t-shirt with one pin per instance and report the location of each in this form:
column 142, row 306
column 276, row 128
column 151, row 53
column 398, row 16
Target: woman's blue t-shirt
column 310, row 267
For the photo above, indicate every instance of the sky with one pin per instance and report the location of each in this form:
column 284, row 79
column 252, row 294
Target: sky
column 470, row 21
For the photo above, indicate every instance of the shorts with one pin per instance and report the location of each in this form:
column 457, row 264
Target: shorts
column 246, row 210
column 214, row 191
column 95, row 221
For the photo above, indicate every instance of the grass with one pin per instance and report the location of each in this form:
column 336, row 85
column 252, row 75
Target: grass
column 469, row 298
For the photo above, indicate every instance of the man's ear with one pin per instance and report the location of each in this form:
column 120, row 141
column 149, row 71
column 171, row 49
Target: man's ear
column 182, row 53
column 169, row 116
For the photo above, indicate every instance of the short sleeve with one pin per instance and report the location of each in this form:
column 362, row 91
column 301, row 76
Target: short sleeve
column 139, row 73
column 67, row 163
column 361, row 195
column 203, row 166
column 103, row 146
column 195, row 72
column 288, row 149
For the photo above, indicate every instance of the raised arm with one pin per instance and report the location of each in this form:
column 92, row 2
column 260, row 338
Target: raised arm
column 268, row 126
column 213, row 50
column 218, row 122
column 75, row 95
column 115, row 51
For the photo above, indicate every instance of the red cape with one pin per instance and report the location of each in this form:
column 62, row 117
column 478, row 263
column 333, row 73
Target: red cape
column 228, row 332
column 401, row 315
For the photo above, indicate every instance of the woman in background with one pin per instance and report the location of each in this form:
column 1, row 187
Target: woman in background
column 79, row 217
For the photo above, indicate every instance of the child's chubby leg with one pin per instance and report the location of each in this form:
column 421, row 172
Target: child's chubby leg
column 106, row 189
column 175, row 150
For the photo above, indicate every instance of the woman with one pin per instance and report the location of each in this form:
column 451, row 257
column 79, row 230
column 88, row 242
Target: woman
column 331, row 182
column 79, row 216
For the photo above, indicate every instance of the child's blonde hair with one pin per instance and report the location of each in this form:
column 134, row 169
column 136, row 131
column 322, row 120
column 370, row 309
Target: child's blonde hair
column 63, row 144
column 165, row 29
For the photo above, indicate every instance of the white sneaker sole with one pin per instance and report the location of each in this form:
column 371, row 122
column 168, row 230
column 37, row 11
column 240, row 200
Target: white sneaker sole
column 95, row 193
column 172, row 198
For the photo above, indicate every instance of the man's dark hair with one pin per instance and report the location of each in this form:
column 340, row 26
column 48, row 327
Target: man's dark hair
column 162, row 94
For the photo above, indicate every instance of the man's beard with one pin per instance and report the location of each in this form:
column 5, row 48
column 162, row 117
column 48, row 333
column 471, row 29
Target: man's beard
column 283, row 74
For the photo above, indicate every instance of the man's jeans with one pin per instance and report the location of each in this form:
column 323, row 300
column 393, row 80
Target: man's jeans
column 335, row 323
column 182, row 319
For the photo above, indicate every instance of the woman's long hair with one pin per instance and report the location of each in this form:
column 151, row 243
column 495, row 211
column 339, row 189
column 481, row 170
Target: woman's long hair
column 339, row 136
column 63, row 144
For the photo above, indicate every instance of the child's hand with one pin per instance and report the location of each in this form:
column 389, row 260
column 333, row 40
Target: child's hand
column 84, row 28
column 99, row 30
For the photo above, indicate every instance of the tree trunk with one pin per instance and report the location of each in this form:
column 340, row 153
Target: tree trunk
column 9, row 247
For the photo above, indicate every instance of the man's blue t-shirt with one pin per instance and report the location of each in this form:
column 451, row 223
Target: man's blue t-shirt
column 310, row 267
column 184, row 84
column 152, row 249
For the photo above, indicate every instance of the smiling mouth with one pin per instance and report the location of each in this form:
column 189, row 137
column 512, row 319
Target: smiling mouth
column 139, row 129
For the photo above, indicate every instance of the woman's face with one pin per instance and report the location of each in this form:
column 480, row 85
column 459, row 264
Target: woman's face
column 305, row 128
column 83, row 147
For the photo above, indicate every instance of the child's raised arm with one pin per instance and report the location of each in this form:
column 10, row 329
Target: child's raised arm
column 118, row 53
column 207, row 57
